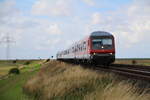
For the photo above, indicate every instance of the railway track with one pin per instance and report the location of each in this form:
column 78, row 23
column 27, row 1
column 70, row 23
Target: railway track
column 131, row 71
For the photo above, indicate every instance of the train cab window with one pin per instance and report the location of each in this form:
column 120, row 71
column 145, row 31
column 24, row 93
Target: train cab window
column 102, row 43
column 107, row 41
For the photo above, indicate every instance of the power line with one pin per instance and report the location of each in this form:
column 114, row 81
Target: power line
column 8, row 41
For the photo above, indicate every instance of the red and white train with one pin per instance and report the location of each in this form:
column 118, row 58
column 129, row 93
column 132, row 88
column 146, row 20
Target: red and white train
column 97, row 48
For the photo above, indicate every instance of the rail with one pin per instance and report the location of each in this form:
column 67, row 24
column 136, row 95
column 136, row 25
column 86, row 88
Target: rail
column 136, row 71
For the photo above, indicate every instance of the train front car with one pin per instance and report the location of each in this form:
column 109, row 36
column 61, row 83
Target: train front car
column 102, row 48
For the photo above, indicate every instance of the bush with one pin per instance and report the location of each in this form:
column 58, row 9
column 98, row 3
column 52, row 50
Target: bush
column 134, row 62
column 47, row 60
column 27, row 63
column 14, row 61
column 14, row 71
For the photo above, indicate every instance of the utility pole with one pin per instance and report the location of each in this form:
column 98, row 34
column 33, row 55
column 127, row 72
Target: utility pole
column 8, row 41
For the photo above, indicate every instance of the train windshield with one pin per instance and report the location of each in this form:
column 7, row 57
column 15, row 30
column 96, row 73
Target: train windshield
column 105, row 43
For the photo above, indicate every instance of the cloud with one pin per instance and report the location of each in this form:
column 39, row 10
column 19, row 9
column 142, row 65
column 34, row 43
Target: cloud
column 48, row 43
column 96, row 18
column 54, row 29
column 6, row 9
column 138, row 19
column 51, row 7
column 130, row 24
column 89, row 2
column 26, row 31
column 9, row 20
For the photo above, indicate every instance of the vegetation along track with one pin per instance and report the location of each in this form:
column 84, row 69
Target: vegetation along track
column 135, row 71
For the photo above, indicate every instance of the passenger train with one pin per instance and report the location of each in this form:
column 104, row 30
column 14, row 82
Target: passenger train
column 97, row 48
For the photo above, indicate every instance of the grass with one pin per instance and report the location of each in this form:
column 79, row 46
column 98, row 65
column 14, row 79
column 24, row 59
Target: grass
column 4, row 70
column 5, row 66
column 119, row 91
column 11, row 87
column 145, row 62
column 61, row 81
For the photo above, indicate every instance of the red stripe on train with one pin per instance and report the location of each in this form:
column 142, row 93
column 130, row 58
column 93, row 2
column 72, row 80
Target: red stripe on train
column 102, row 51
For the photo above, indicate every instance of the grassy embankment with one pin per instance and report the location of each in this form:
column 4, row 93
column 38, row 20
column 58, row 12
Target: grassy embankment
column 11, row 87
column 135, row 61
column 61, row 81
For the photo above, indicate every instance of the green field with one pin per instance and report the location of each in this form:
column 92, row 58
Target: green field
column 11, row 87
column 5, row 66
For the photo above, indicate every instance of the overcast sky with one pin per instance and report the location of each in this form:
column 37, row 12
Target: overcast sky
column 40, row 28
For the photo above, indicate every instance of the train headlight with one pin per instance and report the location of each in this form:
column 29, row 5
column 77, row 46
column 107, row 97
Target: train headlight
column 94, row 53
column 110, row 53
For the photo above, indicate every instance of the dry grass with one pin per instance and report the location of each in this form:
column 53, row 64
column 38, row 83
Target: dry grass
column 61, row 81
column 130, row 61
column 4, row 70
column 120, row 91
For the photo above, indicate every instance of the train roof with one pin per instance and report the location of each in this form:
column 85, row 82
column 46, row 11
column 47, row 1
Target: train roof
column 100, row 33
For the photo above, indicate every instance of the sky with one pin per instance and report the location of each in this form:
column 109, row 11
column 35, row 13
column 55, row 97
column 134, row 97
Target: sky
column 41, row 28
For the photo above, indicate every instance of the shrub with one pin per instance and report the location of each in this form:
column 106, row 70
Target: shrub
column 14, row 71
column 27, row 63
column 47, row 60
column 134, row 62
column 14, row 61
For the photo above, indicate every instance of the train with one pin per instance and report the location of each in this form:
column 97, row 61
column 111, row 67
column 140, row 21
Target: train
column 97, row 48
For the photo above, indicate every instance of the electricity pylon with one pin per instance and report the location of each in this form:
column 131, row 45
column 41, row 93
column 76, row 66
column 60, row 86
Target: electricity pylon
column 8, row 41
